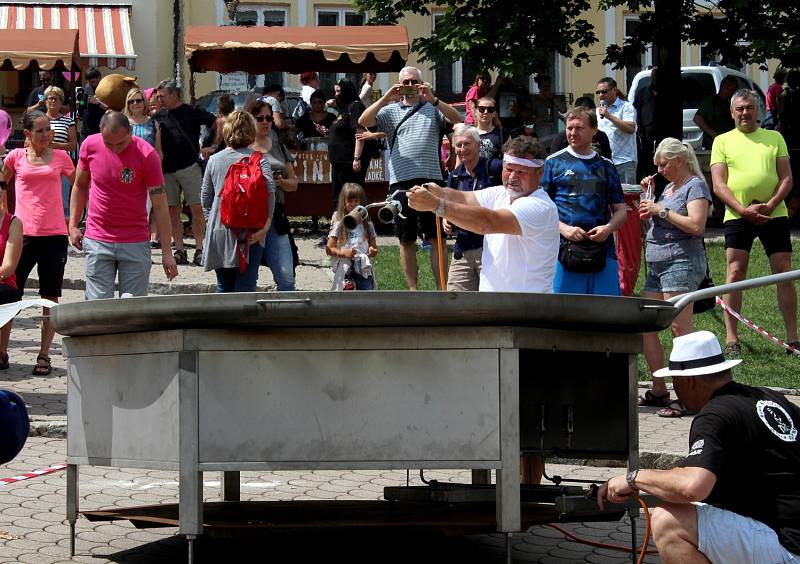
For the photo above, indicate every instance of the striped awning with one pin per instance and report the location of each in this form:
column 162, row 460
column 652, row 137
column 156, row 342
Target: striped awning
column 104, row 32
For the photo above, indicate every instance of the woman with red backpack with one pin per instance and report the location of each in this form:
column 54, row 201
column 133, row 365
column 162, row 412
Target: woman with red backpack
column 238, row 196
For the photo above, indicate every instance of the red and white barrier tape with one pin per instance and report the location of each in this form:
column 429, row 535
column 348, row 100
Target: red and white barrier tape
column 29, row 475
column 763, row 332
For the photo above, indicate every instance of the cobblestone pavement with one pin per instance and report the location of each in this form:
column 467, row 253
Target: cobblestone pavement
column 32, row 511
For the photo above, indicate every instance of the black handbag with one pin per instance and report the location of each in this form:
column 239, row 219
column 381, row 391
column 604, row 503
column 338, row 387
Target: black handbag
column 582, row 256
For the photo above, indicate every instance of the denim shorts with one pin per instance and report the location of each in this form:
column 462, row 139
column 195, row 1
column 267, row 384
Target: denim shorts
column 677, row 275
column 725, row 536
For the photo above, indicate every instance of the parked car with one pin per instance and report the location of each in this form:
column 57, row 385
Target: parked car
column 696, row 84
column 209, row 101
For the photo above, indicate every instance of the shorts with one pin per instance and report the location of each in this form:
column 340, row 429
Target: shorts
column 189, row 180
column 774, row 235
column 465, row 272
column 725, row 536
column 603, row 283
column 49, row 254
column 677, row 275
column 415, row 222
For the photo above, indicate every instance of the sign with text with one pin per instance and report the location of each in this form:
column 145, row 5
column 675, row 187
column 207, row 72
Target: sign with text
column 313, row 167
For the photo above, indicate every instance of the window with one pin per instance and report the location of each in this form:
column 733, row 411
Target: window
column 338, row 16
column 268, row 16
column 646, row 59
column 448, row 77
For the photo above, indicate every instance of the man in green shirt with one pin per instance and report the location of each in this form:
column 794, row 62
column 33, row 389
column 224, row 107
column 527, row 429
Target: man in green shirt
column 714, row 114
column 751, row 175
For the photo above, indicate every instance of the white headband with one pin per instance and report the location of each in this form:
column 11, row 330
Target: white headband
column 535, row 163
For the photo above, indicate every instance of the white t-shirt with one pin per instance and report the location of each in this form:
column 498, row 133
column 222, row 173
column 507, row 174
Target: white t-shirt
column 526, row 262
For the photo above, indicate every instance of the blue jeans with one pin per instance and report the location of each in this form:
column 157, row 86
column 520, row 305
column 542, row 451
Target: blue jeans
column 231, row 280
column 278, row 253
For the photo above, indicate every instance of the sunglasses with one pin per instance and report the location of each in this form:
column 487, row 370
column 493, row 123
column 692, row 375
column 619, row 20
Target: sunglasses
column 601, row 91
column 411, row 82
column 136, row 101
column 53, row 99
column 485, row 109
column 267, row 119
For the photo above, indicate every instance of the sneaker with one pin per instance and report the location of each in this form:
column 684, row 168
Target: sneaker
column 181, row 257
column 198, row 257
column 426, row 245
column 732, row 350
column 796, row 346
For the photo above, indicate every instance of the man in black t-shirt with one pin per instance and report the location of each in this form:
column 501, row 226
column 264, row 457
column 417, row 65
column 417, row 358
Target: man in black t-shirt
column 743, row 464
column 180, row 142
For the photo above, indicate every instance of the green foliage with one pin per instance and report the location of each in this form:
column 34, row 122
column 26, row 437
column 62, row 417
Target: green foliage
column 511, row 36
column 741, row 31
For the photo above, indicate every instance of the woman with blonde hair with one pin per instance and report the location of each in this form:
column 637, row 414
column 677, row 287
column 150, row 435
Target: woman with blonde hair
column 64, row 132
column 222, row 244
column 137, row 108
column 675, row 255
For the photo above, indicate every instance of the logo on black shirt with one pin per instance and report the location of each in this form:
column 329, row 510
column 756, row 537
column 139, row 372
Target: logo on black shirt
column 777, row 420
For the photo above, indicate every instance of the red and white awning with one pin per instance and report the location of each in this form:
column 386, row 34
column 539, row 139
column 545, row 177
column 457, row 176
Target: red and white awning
column 104, row 32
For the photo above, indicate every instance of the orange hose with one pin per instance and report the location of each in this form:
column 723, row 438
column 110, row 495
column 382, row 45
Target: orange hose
column 441, row 252
column 642, row 551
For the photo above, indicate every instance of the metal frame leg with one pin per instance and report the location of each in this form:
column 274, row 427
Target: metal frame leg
column 190, row 489
column 507, row 494
column 190, row 547
column 508, row 547
column 634, row 544
column 72, row 504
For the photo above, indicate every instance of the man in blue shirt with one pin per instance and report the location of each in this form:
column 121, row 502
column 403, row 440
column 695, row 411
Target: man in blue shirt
column 474, row 173
column 591, row 207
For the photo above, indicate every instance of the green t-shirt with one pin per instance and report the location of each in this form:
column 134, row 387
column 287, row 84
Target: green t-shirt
column 751, row 159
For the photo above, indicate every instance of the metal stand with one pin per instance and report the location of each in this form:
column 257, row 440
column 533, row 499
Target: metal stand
column 72, row 504
column 190, row 543
column 508, row 547
column 631, row 514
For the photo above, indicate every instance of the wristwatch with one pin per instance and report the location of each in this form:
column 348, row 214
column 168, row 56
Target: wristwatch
column 435, row 102
column 440, row 208
column 630, row 477
column 663, row 213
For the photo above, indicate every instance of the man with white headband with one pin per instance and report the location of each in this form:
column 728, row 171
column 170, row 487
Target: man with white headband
column 519, row 221
column 591, row 207
column 736, row 497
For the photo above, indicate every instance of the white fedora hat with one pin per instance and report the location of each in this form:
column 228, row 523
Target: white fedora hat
column 696, row 354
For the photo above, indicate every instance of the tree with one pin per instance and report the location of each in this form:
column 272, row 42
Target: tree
column 740, row 31
column 510, row 36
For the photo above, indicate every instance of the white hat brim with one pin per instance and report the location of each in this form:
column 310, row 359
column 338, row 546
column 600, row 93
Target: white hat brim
column 699, row 371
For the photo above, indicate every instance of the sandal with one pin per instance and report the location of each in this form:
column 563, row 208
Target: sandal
column 673, row 410
column 43, row 366
column 4, row 361
column 649, row 399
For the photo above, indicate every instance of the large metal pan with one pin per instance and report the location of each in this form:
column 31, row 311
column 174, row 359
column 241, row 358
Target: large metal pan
column 382, row 309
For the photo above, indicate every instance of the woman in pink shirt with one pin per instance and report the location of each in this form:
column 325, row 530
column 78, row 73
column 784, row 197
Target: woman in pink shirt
column 477, row 90
column 37, row 170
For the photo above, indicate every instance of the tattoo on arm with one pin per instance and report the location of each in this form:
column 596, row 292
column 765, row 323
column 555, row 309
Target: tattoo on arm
column 155, row 190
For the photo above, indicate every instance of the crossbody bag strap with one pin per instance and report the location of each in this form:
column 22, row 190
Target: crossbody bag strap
column 409, row 113
column 180, row 129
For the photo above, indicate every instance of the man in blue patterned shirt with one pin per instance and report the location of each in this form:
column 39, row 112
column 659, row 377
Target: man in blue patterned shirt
column 591, row 207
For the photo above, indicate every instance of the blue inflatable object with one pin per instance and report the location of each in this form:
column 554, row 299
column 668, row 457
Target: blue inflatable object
column 14, row 425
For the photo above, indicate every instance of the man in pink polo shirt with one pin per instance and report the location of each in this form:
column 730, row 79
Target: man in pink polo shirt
column 121, row 170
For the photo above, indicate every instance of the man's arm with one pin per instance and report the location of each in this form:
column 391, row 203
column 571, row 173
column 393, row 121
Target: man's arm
column 369, row 115
column 719, row 180
column 600, row 233
column 462, row 209
column 785, row 183
column 678, row 485
column 703, row 124
column 77, row 203
column 158, row 197
column 624, row 125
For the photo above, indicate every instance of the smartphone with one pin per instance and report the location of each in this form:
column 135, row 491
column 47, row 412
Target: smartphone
column 408, row 90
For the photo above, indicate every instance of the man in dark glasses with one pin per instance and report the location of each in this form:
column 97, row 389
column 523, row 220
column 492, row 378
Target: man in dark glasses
column 414, row 120
column 617, row 119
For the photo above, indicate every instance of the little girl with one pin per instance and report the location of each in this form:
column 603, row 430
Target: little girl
column 352, row 269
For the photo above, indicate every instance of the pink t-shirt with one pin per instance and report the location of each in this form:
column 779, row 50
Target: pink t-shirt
column 118, row 190
column 38, row 192
column 474, row 93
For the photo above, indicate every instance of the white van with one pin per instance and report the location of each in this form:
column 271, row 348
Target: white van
column 696, row 84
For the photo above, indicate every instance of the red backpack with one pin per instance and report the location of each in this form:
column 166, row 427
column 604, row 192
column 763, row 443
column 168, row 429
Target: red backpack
column 244, row 202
